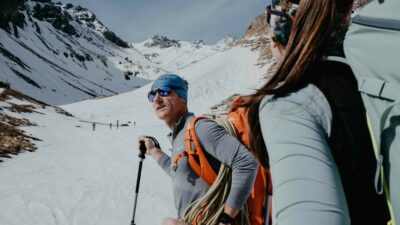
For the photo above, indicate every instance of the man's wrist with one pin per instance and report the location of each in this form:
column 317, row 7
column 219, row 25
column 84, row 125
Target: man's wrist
column 232, row 212
column 156, row 153
column 225, row 218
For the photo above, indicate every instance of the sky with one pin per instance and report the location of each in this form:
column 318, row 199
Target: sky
column 187, row 20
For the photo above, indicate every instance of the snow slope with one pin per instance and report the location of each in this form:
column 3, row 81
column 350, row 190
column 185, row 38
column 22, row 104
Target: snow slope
column 80, row 176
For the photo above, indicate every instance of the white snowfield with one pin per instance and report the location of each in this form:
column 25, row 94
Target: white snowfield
column 81, row 176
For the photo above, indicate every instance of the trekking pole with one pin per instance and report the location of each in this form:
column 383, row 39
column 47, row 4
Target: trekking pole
column 142, row 152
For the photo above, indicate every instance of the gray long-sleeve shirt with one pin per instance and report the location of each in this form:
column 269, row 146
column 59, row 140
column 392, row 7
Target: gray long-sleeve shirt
column 306, row 182
column 225, row 148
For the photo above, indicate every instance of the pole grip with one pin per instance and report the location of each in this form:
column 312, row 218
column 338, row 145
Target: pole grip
column 142, row 148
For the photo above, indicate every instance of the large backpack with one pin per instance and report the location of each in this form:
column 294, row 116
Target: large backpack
column 258, row 203
column 372, row 49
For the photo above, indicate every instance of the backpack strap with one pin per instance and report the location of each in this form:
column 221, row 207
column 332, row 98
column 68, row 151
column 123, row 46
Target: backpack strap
column 379, row 88
column 336, row 59
column 196, row 157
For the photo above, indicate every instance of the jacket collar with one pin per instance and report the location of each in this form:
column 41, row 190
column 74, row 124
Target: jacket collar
column 179, row 125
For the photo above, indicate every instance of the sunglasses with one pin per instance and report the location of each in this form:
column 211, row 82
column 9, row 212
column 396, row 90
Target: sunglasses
column 162, row 91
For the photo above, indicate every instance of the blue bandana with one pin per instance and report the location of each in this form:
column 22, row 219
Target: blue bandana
column 173, row 81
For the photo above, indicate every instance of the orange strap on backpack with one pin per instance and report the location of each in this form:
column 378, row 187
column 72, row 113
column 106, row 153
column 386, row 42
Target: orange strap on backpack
column 258, row 202
column 196, row 158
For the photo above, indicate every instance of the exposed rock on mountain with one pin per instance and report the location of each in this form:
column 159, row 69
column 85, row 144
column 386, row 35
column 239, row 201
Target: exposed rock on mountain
column 60, row 16
column 162, row 42
column 54, row 15
column 9, row 12
column 257, row 38
column 109, row 35
column 13, row 140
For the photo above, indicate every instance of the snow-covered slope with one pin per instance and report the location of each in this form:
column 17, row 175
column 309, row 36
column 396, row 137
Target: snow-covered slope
column 61, row 54
column 77, row 175
column 174, row 55
column 83, row 176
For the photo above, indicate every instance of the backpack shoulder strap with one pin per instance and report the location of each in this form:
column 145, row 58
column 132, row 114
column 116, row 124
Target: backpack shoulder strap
column 196, row 157
column 336, row 59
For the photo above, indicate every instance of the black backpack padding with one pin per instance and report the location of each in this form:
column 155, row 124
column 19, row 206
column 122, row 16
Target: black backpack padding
column 350, row 142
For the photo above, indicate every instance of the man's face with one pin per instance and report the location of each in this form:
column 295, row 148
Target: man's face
column 170, row 107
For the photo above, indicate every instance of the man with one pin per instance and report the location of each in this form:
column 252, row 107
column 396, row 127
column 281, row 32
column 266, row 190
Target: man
column 168, row 95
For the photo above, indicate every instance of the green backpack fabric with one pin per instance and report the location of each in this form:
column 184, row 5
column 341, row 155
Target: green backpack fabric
column 372, row 49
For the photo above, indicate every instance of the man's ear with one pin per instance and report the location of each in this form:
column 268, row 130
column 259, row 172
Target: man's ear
column 183, row 101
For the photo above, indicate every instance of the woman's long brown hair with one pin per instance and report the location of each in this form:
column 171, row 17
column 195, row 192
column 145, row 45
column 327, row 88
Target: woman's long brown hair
column 311, row 30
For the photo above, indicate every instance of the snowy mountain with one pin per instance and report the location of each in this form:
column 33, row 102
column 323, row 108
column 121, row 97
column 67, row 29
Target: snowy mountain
column 173, row 55
column 61, row 53
column 83, row 168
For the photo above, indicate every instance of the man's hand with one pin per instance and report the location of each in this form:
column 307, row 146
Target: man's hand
column 231, row 212
column 152, row 147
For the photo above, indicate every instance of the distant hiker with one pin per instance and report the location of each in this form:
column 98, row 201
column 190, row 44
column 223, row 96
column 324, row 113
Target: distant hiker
column 168, row 96
column 117, row 124
column 134, row 123
column 308, row 121
column 110, row 125
column 93, row 126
